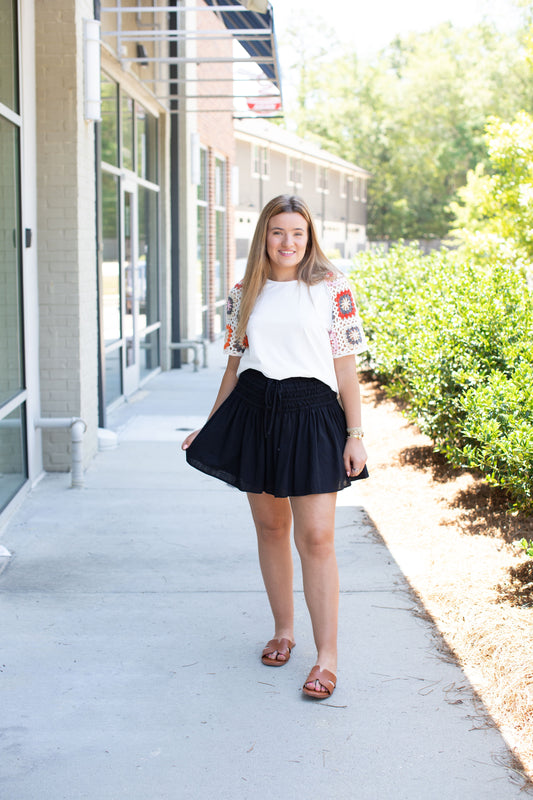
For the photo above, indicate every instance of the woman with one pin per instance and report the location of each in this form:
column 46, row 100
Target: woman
column 277, row 430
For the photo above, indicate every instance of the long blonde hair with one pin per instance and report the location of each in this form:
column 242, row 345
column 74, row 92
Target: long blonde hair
column 313, row 268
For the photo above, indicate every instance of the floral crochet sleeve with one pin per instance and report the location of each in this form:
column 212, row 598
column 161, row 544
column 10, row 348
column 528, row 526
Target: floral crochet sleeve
column 346, row 333
column 231, row 346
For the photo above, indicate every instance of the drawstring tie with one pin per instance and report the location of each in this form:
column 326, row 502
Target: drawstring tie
column 273, row 393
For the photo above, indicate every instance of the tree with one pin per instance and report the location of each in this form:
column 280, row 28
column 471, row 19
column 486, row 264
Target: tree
column 495, row 207
column 414, row 117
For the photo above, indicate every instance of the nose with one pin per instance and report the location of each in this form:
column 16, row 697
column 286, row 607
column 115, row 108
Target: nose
column 287, row 240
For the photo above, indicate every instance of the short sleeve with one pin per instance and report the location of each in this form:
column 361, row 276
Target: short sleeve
column 346, row 333
column 232, row 347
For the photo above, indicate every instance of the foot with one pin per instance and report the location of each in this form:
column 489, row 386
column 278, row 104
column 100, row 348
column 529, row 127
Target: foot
column 320, row 683
column 277, row 652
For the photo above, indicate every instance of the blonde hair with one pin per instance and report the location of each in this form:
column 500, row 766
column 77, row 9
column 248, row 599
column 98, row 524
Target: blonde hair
column 313, row 268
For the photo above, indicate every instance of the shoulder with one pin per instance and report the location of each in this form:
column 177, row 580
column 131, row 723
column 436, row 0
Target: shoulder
column 337, row 282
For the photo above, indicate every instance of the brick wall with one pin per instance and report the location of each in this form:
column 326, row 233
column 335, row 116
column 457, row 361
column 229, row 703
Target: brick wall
column 66, row 228
column 215, row 129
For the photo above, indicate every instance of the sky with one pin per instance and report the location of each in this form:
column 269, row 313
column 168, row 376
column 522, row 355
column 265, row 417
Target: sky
column 370, row 26
column 373, row 24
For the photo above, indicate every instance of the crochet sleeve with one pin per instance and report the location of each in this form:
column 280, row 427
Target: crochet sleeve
column 346, row 333
column 231, row 346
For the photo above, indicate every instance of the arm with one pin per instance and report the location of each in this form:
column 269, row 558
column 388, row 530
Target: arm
column 227, row 385
column 354, row 451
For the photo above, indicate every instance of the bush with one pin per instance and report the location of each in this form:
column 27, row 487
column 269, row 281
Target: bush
column 453, row 338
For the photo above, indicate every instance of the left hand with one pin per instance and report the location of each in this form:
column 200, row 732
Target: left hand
column 354, row 457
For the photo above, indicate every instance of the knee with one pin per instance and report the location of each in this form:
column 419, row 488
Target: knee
column 316, row 542
column 273, row 530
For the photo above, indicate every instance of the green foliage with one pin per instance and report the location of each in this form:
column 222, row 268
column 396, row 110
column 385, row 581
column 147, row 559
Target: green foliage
column 414, row 117
column 497, row 207
column 453, row 338
column 527, row 546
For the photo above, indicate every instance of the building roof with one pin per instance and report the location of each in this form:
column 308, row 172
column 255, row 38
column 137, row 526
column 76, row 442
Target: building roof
column 285, row 140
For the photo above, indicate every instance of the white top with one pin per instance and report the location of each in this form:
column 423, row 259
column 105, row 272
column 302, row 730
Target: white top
column 296, row 330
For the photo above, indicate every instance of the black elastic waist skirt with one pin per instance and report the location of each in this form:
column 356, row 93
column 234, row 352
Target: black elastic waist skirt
column 284, row 437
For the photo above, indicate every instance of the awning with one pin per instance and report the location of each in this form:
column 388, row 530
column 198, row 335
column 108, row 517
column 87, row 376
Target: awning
column 261, row 49
column 155, row 37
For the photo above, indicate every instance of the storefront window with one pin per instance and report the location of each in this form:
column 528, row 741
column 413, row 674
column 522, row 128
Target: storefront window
column 113, row 375
column 109, row 126
column 11, row 364
column 146, row 145
column 220, row 242
column 129, row 210
column 126, row 107
column 111, row 259
column 8, row 55
column 13, row 467
column 12, row 454
column 149, row 353
column 201, row 326
column 148, row 275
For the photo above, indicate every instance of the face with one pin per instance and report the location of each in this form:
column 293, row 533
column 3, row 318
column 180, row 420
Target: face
column 287, row 237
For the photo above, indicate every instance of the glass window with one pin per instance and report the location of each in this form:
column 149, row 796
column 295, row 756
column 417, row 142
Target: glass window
column 265, row 162
column 149, row 353
column 113, row 375
column 111, row 259
column 147, row 266
column 129, row 278
column 8, row 55
column 13, row 470
column 220, row 244
column 11, row 362
column 220, row 182
column 322, row 179
column 256, row 159
column 201, row 319
column 220, row 270
column 201, row 272
column 130, row 231
column 127, row 131
column 295, row 170
column 109, row 126
column 146, row 145
column 202, row 186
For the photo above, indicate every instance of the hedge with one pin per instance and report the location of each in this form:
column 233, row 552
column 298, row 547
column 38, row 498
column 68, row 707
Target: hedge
column 454, row 339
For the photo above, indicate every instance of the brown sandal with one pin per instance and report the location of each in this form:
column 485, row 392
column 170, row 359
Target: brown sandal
column 282, row 646
column 326, row 679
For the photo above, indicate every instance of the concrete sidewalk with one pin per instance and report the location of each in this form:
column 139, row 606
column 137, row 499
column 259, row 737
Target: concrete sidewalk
column 133, row 617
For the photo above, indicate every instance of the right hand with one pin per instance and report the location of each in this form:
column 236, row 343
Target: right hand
column 190, row 439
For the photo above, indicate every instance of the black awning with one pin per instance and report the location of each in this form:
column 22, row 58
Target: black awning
column 263, row 50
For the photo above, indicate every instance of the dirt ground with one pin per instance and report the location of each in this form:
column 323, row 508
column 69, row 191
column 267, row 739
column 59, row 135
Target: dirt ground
column 457, row 543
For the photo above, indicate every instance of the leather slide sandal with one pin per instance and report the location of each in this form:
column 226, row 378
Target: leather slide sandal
column 326, row 678
column 283, row 647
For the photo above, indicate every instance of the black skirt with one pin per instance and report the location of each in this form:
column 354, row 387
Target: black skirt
column 284, row 437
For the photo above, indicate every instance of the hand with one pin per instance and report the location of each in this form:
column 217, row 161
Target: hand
column 190, row 439
column 354, row 456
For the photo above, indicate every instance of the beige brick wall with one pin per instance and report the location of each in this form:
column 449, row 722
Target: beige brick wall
column 66, row 228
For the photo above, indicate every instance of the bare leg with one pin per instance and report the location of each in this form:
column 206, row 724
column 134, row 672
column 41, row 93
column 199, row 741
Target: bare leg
column 273, row 520
column 314, row 535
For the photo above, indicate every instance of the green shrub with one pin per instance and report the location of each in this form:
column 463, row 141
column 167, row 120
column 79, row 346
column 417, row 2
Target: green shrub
column 453, row 338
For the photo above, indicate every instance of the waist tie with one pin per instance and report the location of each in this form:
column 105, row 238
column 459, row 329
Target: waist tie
column 273, row 393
